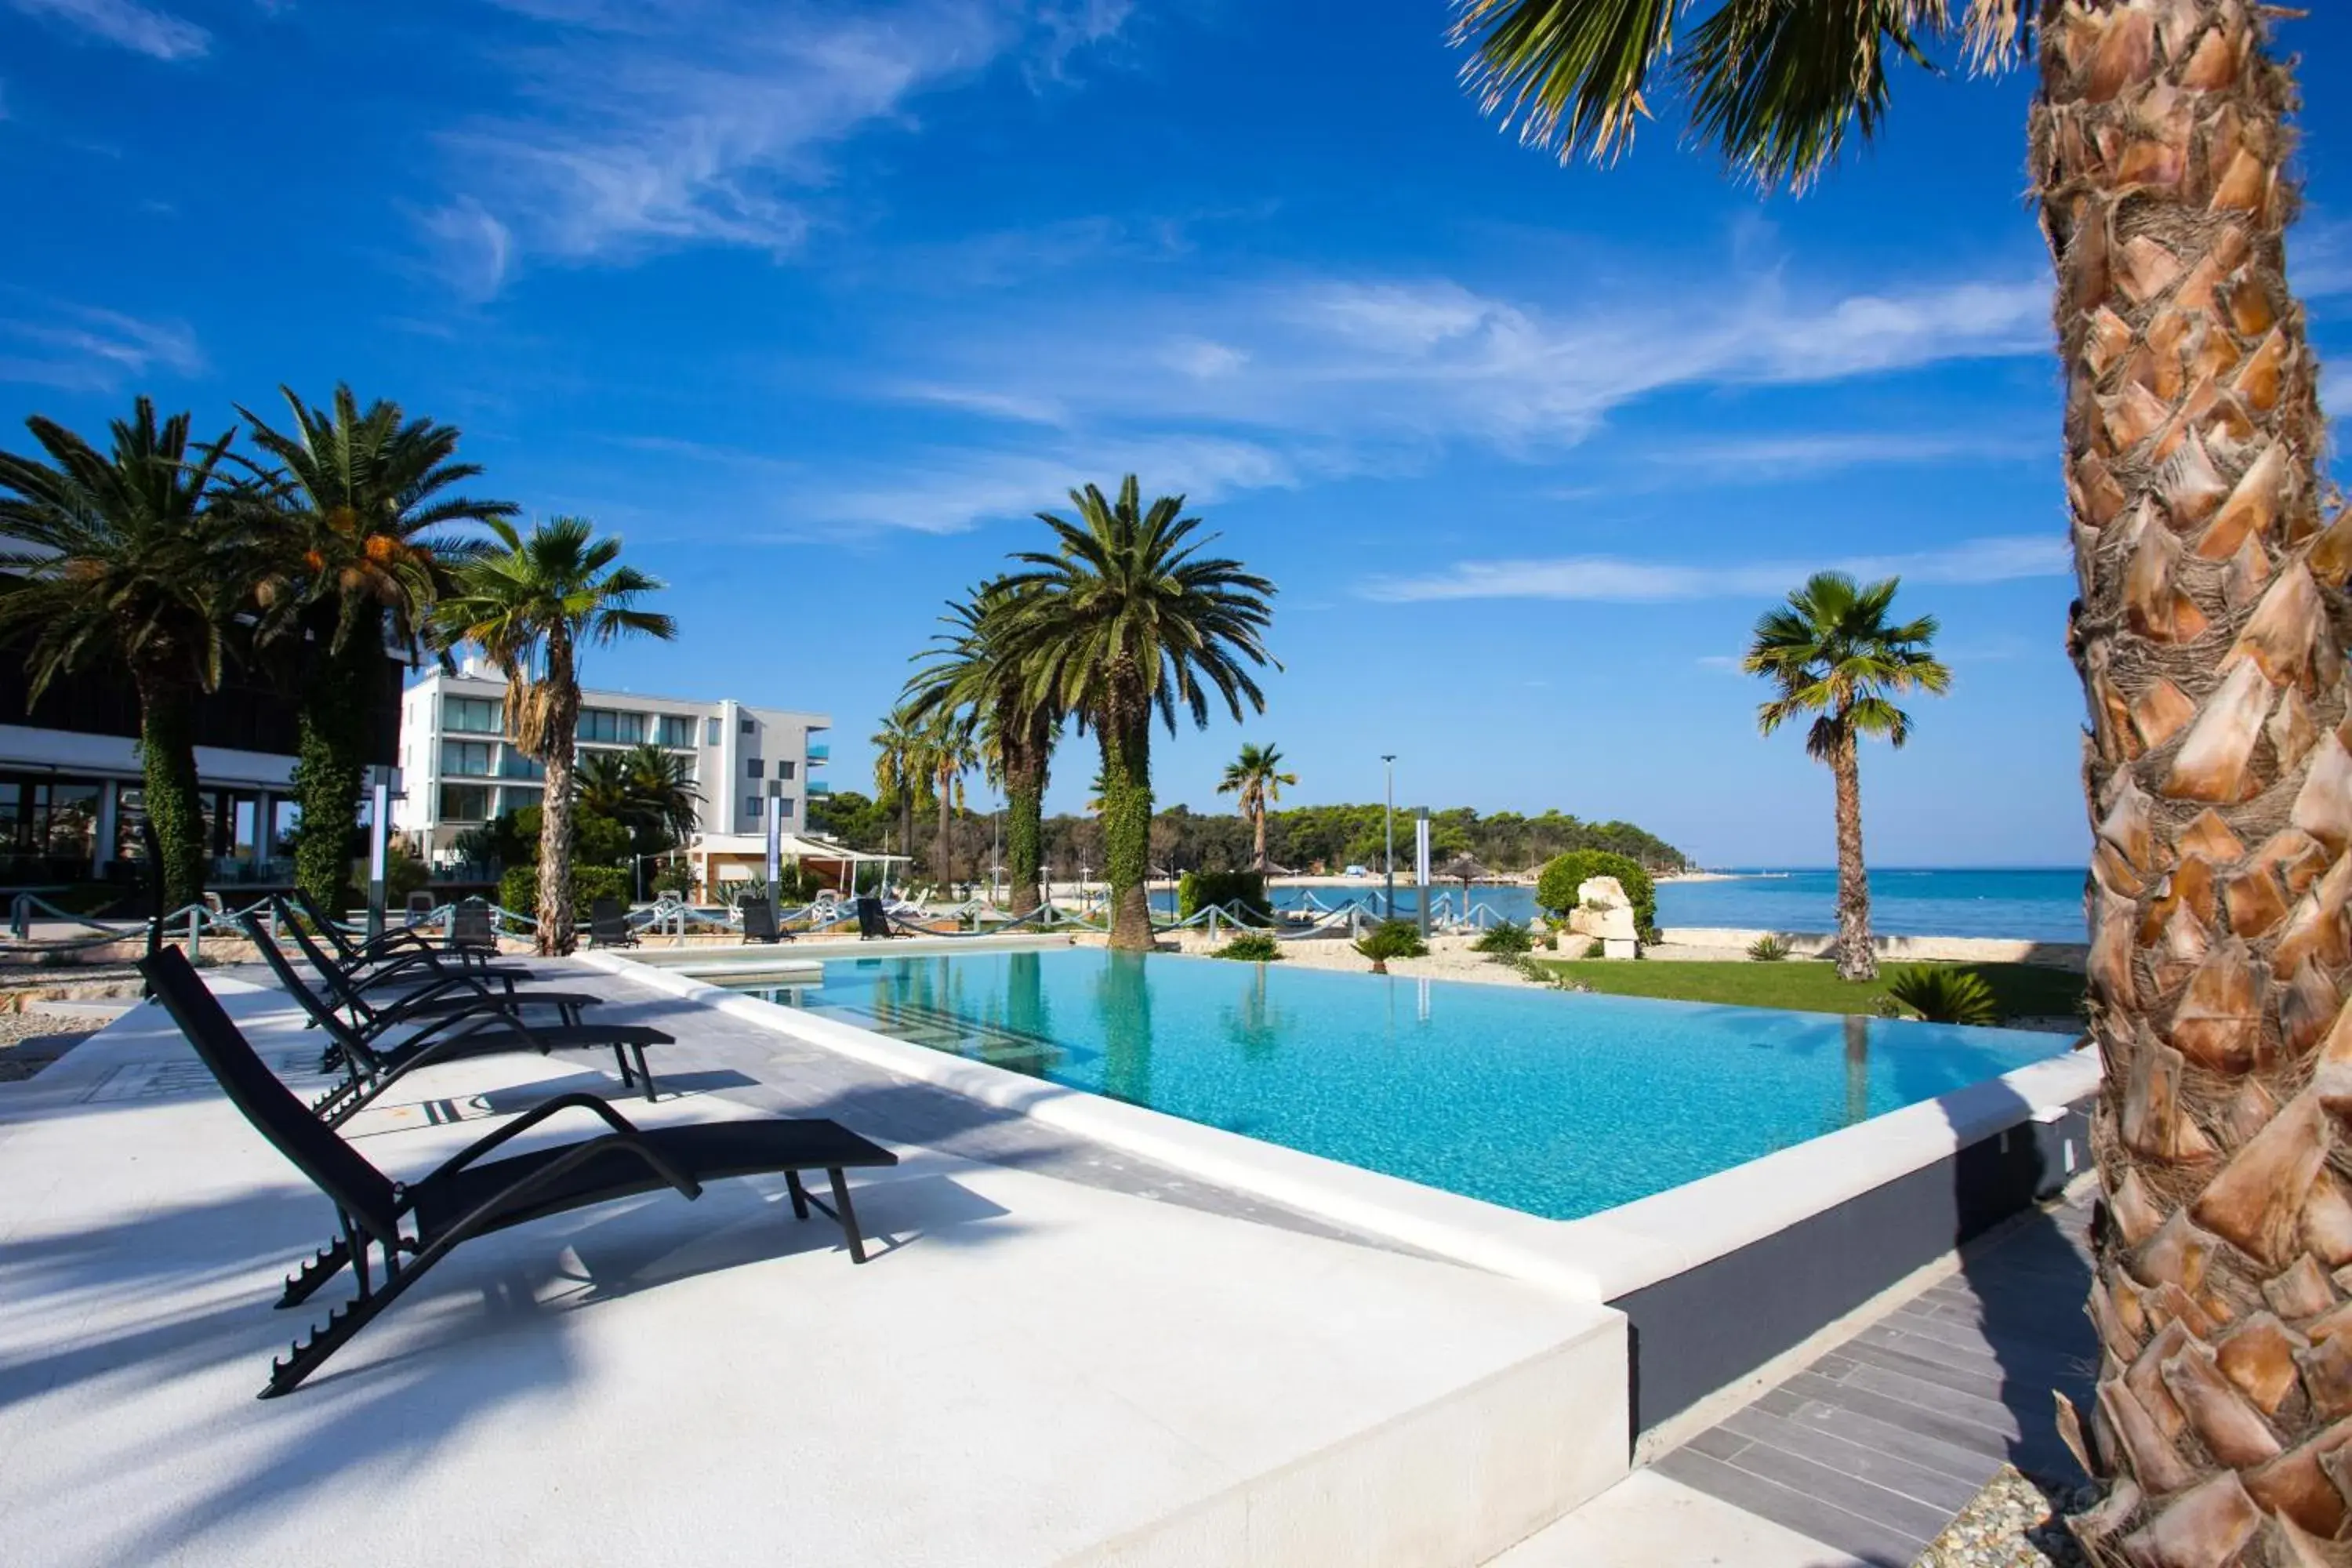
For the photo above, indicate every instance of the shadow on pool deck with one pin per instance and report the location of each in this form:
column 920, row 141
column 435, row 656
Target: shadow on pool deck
column 1874, row 1446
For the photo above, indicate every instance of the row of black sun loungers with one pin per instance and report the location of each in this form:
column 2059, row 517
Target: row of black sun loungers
column 402, row 1002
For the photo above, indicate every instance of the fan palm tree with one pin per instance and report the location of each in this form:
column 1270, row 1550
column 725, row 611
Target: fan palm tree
column 970, row 668
column 2207, row 628
column 899, row 771
column 362, row 503
column 1256, row 777
column 530, row 604
column 1125, row 620
column 948, row 753
column 137, row 559
column 1830, row 652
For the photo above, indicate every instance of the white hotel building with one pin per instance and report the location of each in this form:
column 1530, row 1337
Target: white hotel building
column 458, row 769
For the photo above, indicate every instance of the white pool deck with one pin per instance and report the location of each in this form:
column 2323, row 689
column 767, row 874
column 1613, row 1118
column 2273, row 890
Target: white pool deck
column 1088, row 1336
column 1032, row 1370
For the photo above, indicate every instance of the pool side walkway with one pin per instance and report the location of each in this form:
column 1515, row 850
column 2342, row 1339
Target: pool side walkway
column 1869, row 1451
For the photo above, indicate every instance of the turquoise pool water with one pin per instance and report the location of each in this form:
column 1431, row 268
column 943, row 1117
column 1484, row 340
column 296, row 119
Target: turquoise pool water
column 1554, row 1103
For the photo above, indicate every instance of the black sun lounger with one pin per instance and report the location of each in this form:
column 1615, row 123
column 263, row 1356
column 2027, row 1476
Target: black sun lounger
column 371, row 1063
column 760, row 921
column 873, row 919
column 446, row 998
column 399, row 947
column 608, row 924
column 416, row 1223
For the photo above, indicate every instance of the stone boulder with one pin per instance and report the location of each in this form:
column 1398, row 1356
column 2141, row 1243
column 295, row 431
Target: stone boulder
column 1603, row 912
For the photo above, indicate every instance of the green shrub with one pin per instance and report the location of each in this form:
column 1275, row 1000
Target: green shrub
column 1197, row 890
column 1506, row 940
column 1252, row 947
column 1391, row 939
column 1942, row 995
column 519, row 888
column 1596, row 948
column 513, row 838
column 1556, row 888
column 1768, row 949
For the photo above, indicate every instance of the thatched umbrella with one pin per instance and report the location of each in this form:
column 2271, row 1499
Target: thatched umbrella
column 1466, row 870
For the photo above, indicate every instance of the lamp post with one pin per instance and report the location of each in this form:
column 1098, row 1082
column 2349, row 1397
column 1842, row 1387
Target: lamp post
column 1388, row 828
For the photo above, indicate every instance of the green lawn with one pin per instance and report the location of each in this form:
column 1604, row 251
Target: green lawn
column 1811, row 985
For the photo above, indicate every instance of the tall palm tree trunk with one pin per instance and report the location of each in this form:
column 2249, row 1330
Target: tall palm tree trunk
column 2209, row 634
column 1854, row 959
column 1259, row 814
column 560, row 740
column 167, row 764
column 943, row 840
column 1126, row 826
column 331, row 763
column 1026, row 749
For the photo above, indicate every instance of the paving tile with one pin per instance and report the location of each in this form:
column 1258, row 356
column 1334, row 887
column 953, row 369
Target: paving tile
column 1902, row 1413
column 1974, row 1466
column 1719, row 1443
column 1991, row 1413
column 1833, row 1526
column 1841, row 1488
column 1991, row 1385
column 1950, row 1493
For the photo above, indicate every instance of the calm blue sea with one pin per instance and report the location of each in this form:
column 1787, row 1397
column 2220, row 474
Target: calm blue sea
column 2034, row 904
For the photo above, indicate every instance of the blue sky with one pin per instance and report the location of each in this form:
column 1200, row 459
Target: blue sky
column 816, row 304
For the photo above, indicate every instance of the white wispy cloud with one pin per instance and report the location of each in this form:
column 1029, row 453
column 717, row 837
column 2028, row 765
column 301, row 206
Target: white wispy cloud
column 81, row 348
column 650, row 122
column 143, row 29
column 1998, row 558
column 946, row 492
column 1792, row 454
column 2320, row 254
column 1432, row 359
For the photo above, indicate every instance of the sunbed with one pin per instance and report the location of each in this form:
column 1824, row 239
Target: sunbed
column 415, row 1224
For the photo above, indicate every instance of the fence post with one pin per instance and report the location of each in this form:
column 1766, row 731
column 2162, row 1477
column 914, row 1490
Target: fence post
column 196, row 935
column 20, row 916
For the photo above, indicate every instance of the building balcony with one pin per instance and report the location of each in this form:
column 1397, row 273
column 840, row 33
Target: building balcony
column 815, row 786
column 819, row 753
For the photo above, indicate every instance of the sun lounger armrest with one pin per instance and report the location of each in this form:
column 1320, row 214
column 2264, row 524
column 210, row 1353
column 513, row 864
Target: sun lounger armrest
column 484, row 1213
column 619, row 1123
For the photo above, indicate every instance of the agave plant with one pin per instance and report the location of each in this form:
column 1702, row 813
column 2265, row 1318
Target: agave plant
column 1768, row 949
column 1943, row 995
column 1391, row 939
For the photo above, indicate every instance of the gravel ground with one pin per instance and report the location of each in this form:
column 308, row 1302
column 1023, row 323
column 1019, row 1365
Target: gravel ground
column 31, row 1041
column 2012, row 1524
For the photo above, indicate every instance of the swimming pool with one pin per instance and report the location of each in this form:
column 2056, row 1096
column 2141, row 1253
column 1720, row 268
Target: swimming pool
column 1556, row 1104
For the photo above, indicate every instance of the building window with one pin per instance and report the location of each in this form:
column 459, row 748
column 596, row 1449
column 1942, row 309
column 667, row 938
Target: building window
column 612, row 727
column 751, row 805
column 784, row 769
column 466, row 759
column 751, row 767
column 749, row 726
column 677, row 731
column 784, row 806
column 710, row 732
column 472, row 715
column 465, row 803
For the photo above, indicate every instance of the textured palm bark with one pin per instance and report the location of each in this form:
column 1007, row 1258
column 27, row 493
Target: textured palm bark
column 943, row 833
column 1126, row 731
column 1027, row 744
column 2209, row 634
column 560, row 716
column 1855, row 960
column 331, row 761
column 169, row 793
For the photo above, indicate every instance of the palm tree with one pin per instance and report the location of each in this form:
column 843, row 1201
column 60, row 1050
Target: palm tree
column 948, row 753
column 362, row 500
column 1256, row 777
column 1830, row 652
column 899, row 771
column 970, row 668
column 601, row 784
column 662, row 795
column 2209, row 634
column 530, row 604
column 135, row 558
column 1128, row 620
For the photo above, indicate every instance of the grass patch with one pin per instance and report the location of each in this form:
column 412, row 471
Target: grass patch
column 2021, row 990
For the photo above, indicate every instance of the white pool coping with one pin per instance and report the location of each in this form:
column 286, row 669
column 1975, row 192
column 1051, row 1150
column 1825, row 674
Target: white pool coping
column 1599, row 1257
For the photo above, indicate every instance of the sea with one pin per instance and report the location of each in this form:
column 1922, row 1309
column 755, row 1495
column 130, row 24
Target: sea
column 2039, row 903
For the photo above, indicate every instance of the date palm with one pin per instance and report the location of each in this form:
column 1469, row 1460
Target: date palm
column 970, row 668
column 899, row 771
column 530, row 604
column 662, row 795
column 1830, row 652
column 947, row 752
column 362, row 502
column 1125, row 620
column 2209, row 629
column 134, row 559
column 1257, row 778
